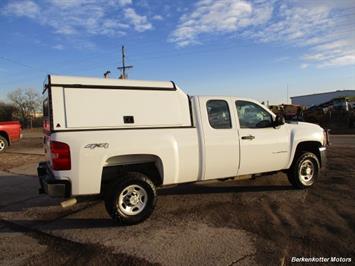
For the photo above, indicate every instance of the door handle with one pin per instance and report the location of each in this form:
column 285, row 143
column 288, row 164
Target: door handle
column 250, row 137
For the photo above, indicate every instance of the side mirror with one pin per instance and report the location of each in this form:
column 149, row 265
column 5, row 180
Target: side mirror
column 279, row 120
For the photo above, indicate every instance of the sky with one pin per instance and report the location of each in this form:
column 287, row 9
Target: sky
column 262, row 49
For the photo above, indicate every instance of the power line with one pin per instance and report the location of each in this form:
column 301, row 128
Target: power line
column 174, row 52
column 21, row 64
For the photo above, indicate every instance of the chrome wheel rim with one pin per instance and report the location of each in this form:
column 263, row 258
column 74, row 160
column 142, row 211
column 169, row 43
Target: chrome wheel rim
column 2, row 144
column 132, row 200
column 306, row 172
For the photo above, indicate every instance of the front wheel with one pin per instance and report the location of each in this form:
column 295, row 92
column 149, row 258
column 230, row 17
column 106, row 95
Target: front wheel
column 304, row 171
column 131, row 199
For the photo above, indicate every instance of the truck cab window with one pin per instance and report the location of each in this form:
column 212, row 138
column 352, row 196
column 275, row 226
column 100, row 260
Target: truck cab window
column 252, row 115
column 218, row 114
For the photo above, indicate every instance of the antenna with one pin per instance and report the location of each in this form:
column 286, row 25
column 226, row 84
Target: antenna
column 123, row 67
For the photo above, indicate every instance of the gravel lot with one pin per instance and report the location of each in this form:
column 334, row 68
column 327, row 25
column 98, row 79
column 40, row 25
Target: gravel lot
column 255, row 222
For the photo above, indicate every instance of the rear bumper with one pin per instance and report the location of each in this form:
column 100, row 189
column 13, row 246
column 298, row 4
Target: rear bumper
column 51, row 186
column 323, row 157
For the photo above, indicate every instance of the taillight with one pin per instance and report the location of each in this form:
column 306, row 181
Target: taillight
column 46, row 125
column 60, row 154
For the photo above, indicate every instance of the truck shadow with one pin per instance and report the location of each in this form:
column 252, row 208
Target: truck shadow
column 186, row 189
column 52, row 217
column 45, row 227
column 50, row 205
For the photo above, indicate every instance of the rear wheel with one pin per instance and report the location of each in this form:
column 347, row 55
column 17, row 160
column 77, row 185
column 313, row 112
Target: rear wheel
column 131, row 199
column 3, row 144
column 304, row 171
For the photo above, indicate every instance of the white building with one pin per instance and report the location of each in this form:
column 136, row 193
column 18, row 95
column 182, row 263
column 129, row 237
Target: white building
column 318, row 98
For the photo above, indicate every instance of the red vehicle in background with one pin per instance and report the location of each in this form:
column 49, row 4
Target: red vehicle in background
column 10, row 132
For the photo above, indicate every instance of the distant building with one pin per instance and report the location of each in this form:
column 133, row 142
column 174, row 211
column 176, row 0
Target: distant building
column 318, row 98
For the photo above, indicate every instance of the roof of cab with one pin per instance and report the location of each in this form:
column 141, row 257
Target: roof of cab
column 73, row 81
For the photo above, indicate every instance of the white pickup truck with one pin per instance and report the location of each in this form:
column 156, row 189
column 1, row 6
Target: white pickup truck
column 124, row 138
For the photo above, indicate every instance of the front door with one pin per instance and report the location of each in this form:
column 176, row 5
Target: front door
column 263, row 148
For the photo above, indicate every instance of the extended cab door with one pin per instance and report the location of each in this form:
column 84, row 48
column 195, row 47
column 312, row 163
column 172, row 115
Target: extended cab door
column 263, row 148
column 219, row 139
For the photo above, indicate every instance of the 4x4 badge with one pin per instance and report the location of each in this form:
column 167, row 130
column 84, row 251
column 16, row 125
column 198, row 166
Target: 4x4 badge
column 97, row 145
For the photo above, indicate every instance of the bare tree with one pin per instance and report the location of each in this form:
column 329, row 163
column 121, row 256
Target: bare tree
column 27, row 102
column 7, row 112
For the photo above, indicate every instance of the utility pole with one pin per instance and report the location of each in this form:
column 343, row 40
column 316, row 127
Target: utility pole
column 123, row 67
column 286, row 93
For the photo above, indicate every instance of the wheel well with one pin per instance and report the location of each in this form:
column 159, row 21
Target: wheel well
column 311, row 146
column 4, row 134
column 149, row 165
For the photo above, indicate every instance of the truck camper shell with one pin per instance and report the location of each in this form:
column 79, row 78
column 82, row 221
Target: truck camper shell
column 82, row 103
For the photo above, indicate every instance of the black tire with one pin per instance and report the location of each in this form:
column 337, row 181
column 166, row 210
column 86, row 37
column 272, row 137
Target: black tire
column 3, row 144
column 118, row 198
column 298, row 174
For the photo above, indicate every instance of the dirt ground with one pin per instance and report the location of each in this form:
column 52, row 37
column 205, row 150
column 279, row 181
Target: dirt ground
column 11, row 160
column 283, row 222
column 27, row 151
column 317, row 222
